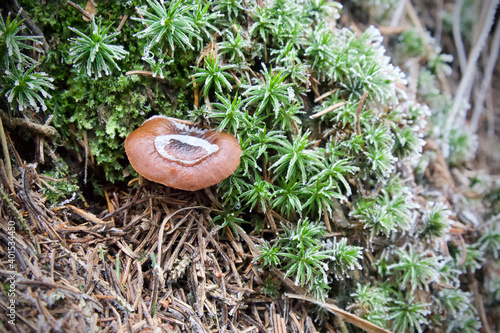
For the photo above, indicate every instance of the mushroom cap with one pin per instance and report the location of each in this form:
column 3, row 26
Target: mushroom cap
column 181, row 155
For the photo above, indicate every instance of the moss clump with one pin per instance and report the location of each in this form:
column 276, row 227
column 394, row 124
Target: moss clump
column 103, row 110
column 59, row 186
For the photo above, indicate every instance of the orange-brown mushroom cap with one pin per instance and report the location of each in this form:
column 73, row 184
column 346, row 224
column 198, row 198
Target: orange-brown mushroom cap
column 178, row 154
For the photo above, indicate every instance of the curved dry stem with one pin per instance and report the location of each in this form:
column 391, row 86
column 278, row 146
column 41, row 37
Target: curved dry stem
column 457, row 36
column 490, row 67
column 5, row 148
column 398, row 13
column 347, row 316
column 467, row 78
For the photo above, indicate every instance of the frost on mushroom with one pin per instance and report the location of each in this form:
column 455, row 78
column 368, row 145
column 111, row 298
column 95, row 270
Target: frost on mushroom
column 181, row 155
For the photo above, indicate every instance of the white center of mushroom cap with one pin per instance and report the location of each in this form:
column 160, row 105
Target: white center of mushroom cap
column 184, row 149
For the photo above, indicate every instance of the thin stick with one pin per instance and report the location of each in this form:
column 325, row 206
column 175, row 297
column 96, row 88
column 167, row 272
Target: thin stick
column 388, row 30
column 328, row 109
column 174, row 255
column 327, row 220
column 50, row 285
column 457, row 37
column 358, row 112
column 439, row 22
column 480, row 306
column 196, row 93
column 83, row 11
column 44, row 130
column 414, row 73
column 251, row 245
column 490, row 67
column 88, row 216
column 325, row 95
column 398, row 13
column 468, row 76
column 5, row 148
column 491, row 115
column 139, row 72
column 347, row 316
column 122, row 22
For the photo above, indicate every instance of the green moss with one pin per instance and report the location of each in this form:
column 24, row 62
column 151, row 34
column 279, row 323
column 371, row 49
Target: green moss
column 106, row 109
column 59, row 185
column 410, row 44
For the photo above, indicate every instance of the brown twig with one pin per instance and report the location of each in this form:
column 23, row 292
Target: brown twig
column 6, row 154
column 480, row 305
column 196, row 94
column 140, row 72
column 44, row 130
column 328, row 109
column 88, row 216
column 384, row 30
column 80, row 9
column 358, row 112
column 122, row 22
column 325, row 95
column 349, row 317
column 50, row 285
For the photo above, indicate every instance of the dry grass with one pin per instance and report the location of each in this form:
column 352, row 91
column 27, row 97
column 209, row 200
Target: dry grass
column 151, row 261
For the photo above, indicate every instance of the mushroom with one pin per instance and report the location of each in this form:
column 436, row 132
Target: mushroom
column 179, row 154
